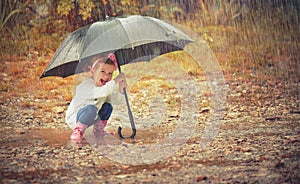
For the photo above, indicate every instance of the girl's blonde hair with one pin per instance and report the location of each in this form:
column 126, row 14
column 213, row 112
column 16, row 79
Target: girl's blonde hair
column 98, row 60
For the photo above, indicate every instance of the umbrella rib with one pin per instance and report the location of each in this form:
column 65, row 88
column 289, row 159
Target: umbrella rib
column 126, row 32
column 160, row 25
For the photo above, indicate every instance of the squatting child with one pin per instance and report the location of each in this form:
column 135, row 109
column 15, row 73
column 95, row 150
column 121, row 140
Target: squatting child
column 92, row 102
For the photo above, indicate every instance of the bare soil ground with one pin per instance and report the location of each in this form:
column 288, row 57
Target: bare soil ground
column 258, row 142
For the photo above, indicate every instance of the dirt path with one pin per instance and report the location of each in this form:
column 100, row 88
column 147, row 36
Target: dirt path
column 258, row 142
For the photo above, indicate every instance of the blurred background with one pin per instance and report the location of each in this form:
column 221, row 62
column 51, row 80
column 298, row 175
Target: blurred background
column 252, row 39
column 257, row 37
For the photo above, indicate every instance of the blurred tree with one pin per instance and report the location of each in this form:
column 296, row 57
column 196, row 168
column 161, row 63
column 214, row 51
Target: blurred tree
column 9, row 12
column 81, row 12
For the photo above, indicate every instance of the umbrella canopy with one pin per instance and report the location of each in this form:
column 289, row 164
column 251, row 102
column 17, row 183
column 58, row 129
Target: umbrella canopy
column 132, row 39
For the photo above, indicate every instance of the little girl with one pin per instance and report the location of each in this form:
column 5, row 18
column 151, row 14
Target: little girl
column 91, row 104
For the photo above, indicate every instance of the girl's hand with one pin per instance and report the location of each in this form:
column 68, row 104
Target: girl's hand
column 122, row 86
column 121, row 79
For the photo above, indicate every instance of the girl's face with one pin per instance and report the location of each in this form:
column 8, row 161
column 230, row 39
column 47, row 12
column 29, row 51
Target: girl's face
column 103, row 74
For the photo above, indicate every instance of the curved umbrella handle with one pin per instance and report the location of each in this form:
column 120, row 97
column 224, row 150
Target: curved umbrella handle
column 129, row 112
column 122, row 137
column 130, row 118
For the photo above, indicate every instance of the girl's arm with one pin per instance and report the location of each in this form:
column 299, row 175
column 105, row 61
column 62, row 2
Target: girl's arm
column 105, row 90
column 116, row 98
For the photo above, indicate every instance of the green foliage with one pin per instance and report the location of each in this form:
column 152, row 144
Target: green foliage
column 65, row 7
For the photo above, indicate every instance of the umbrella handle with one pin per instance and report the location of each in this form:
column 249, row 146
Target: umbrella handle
column 129, row 114
column 130, row 118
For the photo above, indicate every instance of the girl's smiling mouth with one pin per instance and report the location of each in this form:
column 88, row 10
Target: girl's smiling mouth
column 103, row 82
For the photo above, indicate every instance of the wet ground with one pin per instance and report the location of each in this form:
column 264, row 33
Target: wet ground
column 257, row 142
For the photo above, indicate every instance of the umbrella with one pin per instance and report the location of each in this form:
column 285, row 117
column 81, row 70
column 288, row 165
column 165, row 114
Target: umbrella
column 132, row 39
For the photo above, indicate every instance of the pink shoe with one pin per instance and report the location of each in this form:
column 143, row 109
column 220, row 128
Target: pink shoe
column 98, row 128
column 76, row 135
column 78, row 131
